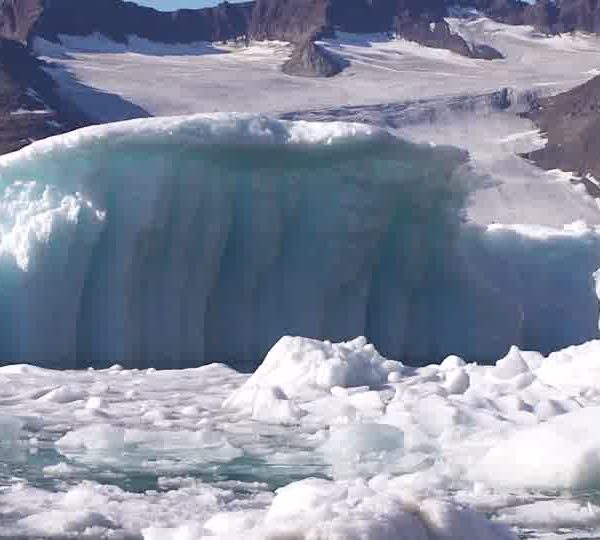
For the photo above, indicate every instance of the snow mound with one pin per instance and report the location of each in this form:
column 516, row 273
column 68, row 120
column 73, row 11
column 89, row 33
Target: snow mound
column 562, row 453
column 315, row 508
column 297, row 365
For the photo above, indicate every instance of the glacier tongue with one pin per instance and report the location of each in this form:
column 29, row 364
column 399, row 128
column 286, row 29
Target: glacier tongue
column 171, row 242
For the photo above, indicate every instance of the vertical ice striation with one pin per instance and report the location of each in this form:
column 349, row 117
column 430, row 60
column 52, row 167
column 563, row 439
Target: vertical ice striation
column 172, row 242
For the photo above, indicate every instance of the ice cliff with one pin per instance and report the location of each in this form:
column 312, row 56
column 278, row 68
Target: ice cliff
column 173, row 242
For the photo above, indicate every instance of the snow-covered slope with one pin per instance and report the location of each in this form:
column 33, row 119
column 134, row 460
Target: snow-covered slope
column 167, row 80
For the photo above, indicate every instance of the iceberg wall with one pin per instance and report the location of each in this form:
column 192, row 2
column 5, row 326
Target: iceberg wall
column 174, row 242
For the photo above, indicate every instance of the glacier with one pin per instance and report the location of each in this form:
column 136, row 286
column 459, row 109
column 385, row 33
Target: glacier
column 173, row 242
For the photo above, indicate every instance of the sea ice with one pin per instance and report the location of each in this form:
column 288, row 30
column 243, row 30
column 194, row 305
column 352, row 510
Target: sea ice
column 362, row 458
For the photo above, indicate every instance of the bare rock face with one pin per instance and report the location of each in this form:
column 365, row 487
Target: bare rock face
column 117, row 20
column 438, row 35
column 30, row 108
column 17, row 17
column 578, row 15
column 543, row 15
column 290, row 20
column 311, row 60
column 571, row 122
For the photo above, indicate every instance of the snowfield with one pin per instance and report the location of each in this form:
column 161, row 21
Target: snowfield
column 322, row 441
column 168, row 80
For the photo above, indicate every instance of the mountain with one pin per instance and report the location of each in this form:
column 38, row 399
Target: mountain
column 577, row 15
column 288, row 20
column 294, row 21
column 30, row 107
column 117, row 20
column 311, row 60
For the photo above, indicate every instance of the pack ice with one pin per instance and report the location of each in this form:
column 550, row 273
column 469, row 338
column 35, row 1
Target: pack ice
column 325, row 440
column 176, row 241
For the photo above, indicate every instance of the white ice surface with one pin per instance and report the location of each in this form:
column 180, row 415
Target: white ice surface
column 164, row 454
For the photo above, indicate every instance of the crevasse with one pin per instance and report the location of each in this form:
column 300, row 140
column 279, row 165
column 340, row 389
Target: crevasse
column 173, row 242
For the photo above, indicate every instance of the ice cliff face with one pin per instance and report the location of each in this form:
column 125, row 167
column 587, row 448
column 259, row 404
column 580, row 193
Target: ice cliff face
column 172, row 242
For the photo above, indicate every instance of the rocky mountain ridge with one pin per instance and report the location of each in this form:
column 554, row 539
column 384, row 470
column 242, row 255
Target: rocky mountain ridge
column 288, row 20
column 17, row 17
column 571, row 123
column 30, row 106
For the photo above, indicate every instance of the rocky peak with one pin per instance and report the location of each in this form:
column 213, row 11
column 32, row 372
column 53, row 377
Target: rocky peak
column 311, row 60
column 17, row 17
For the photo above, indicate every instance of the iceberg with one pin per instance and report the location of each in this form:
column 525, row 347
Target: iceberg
column 173, row 242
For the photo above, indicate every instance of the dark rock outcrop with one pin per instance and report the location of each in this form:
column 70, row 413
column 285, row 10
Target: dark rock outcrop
column 543, row 15
column 17, row 18
column 578, row 15
column 30, row 107
column 117, row 20
column 438, row 35
column 290, row 20
column 571, row 123
column 287, row 20
column 312, row 60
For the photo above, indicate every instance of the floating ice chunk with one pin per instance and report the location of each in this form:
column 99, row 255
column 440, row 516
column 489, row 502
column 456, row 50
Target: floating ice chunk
column 573, row 368
column 533, row 359
column 436, row 415
column 548, row 408
column 512, row 403
column 155, row 416
column 452, row 362
column 563, row 452
column 332, row 410
column 64, row 394
column 552, row 515
column 297, row 365
column 266, row 404
column 318, row 509
column 68, row 522
column 187, row 531
column 191, row 411
column 202, row 445
column 60, row 470
column 10, row 430
column 312, row 497
column 98, row 437
column 457, row 381
column 21, row 369
column 206, row 444
column 350, row 444
column 449, row 522
column 226, row 523
column 511, row 365
column 95, row 403
column 367, row 401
